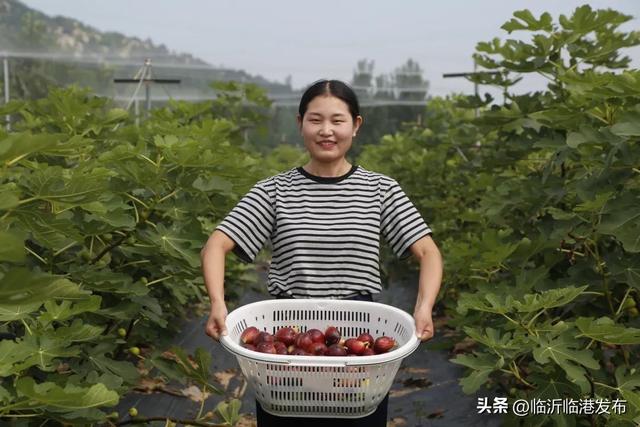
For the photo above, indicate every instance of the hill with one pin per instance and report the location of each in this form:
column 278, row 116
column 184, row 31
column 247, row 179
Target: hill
column 101, row 55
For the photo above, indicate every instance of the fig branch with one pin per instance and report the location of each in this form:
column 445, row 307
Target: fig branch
column 109, row 247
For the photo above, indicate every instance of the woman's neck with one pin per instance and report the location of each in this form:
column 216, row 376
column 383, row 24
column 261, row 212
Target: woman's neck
column 328, row 170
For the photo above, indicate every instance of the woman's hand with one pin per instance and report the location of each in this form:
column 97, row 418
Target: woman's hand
column 215, row 326
column 424, row 323
column 212, row 256
column 427, row 253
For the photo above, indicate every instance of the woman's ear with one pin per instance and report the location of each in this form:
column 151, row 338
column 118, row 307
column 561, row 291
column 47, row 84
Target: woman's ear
column 299, row 120
column 356, row 124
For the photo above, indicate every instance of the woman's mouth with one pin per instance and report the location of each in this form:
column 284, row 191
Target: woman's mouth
column 327, row 144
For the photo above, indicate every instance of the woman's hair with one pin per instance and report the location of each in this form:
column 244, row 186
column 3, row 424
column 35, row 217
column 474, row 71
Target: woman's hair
column 333, row 88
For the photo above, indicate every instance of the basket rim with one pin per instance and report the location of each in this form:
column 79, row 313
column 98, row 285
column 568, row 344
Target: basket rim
column 399, row 353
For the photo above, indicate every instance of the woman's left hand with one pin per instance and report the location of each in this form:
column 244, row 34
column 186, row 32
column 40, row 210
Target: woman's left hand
column 424, row 324
column 426, row 251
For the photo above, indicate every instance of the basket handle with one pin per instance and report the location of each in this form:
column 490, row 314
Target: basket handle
column 311, row 362
column 331, row 364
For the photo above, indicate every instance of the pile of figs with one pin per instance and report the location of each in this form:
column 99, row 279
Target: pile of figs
column 314, row 342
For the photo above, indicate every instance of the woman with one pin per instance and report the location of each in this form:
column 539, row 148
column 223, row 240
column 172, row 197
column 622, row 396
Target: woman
column 325, row 221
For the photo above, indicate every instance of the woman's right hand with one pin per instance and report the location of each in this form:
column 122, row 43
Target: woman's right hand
column 215, row 326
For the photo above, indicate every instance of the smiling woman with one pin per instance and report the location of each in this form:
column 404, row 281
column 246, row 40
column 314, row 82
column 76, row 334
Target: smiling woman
column 324, row 220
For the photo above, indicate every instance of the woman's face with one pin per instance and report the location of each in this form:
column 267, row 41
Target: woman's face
column 327, row 128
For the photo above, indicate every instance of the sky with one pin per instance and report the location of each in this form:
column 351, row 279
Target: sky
column 313, row 40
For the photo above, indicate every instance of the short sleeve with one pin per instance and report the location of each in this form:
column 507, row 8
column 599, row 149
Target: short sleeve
column 400, row 222
column 250, row 222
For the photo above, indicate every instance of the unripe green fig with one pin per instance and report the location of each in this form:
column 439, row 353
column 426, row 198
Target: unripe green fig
column 504, row 232
column 85, row 255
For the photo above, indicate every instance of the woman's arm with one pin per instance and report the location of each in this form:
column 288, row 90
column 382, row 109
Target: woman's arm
column 427, row 253
column 212, row 256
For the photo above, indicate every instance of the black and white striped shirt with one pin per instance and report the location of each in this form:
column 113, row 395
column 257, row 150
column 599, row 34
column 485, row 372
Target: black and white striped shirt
column 325, row 232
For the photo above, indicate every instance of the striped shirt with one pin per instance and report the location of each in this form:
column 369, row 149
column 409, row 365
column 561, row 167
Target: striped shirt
column 324, row 232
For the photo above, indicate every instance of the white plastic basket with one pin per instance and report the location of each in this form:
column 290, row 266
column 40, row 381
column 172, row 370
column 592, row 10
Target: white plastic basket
column 321, row 386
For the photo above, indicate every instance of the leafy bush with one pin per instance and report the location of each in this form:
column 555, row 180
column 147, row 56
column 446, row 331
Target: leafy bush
column 540, row 217
column 101, row 224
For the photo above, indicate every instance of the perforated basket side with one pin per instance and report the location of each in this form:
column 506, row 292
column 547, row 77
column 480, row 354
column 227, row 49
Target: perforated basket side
column 316, row 391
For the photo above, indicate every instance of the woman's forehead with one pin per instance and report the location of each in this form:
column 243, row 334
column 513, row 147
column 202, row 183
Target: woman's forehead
column 327, row 105
column 323, row 113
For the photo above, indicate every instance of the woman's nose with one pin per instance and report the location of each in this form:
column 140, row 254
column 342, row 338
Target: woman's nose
column 325, row 129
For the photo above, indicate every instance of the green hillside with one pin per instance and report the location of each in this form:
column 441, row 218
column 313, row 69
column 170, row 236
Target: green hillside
column 41, row 50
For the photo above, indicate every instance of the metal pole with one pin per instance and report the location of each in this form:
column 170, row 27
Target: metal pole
column 475, row 85
column 136, row 108
column 147, row 84
column 147, row 94
column 5, row 63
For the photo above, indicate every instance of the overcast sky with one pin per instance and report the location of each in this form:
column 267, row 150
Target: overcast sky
column 312, row 40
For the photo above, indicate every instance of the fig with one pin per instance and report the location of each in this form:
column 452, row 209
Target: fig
column 281, row 347
column 303, row 341
column 134, row 350
column 316, row 335
column 249, row 335
column 317, row 348
column 368, row 352
column 85, row 255
column 366, row 338
column 299, row 352
column 332, row 335
column 286, row 336
column 122, row 332
column 264, row 337
column 383, row 344
column 335, row 350
column 249, row 346
column 133, row 411
column 296, row 338
column 355, row 346
column 266, row 347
